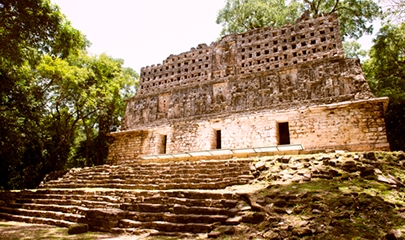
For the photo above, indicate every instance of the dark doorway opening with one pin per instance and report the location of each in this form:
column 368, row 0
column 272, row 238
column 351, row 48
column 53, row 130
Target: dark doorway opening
column 283, row 133
column 218, row 137
column 164, row 144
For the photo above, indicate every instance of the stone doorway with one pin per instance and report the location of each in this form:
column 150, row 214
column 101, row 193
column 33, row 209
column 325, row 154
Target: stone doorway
column 283, row 133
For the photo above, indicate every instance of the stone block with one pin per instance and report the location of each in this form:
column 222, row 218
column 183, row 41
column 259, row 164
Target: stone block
column 78, row 228
column 103, row 219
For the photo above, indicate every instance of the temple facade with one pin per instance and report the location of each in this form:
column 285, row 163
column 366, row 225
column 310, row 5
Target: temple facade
column 264, row 87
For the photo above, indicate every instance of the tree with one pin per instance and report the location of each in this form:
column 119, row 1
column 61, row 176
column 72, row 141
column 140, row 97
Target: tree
column 385, row 72
column 82, row 99
column 55, row 99
column 63, row 117
column 20, row 129
column 240, row 15
column 85, row 100
column 29, row 29
column 35, row 26
column 352, row 49
column 394, row 11
column 355, row 16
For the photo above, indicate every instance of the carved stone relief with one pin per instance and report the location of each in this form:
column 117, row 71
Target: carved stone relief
column 254, row 51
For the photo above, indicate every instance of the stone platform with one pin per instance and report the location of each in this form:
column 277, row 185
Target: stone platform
column 178, row 209
column 160, row 198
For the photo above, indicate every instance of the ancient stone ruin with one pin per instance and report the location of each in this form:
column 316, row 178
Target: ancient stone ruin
column 251, row 91
column 264, row 87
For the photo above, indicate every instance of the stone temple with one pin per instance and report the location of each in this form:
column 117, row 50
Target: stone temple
column 265, row 87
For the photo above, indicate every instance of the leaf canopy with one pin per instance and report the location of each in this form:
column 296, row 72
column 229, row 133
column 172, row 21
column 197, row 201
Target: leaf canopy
column 355, row 16
column 385, row 69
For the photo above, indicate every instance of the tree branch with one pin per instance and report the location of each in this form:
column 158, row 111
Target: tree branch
column 335, row 7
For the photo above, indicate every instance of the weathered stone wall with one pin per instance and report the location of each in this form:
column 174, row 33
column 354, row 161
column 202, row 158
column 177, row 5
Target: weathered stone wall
column 254, row 51
column 286, row 68
column 355, row 126
column 321, row 82
column 127, row 146
column 245, row 85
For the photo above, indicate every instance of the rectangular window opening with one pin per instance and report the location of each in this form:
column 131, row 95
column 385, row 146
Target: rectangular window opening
column 283, row 133
column 163, row 144
column 218, row 139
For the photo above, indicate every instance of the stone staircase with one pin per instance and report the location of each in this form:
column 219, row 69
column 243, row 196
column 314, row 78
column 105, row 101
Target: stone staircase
column 209, row 174
column 160, row 198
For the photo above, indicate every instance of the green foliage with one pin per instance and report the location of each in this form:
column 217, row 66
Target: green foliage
column 35, row 26
column 353, row 49
column 240, row 15
column 394, row 11
column 355, row 16
column 57, row 103
column 385, row 72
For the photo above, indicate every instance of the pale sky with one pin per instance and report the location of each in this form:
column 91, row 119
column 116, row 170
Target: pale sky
column 146, row 32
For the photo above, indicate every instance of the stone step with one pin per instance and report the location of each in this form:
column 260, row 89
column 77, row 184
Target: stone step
column 116, row 195
column 163, row 186
column 43, row 214
column 145, row 180
column 216, row 174
column 197, row 194
column 138, row 232
column 37, row 220
column 177, row 209
column 103, row 199
column 167, row 166
column 219, row 184
column 51, row 207
column 159, row 176
column 175, row 218
column 180, row 209
column 162, row 198
column 201, row 163
column 180, row 167
column 225, row 203
column 167, row 211
column 61, row 196
column 156, row 177
column 144, row 233
column 82, row 203
column 169, row 198
column 168, row 227
column 180, row 194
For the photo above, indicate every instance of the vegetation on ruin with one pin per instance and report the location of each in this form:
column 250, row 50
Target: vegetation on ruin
column 57, row 102
column 347, row 204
